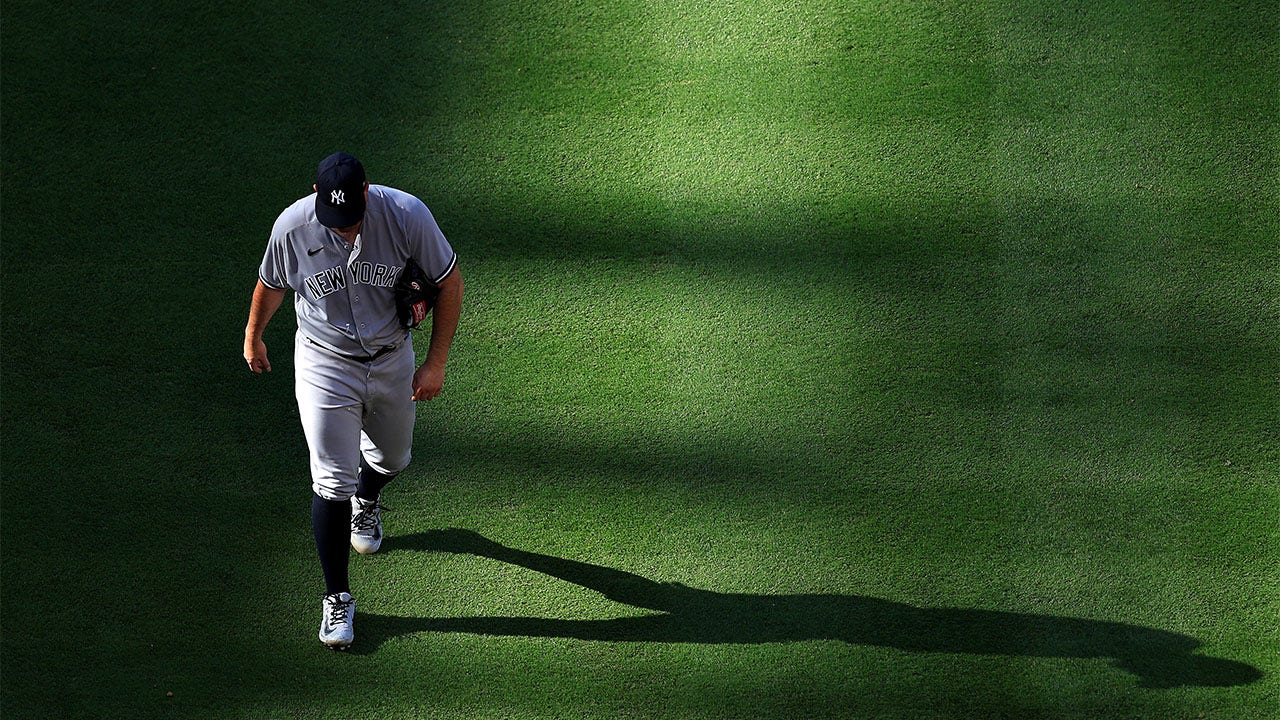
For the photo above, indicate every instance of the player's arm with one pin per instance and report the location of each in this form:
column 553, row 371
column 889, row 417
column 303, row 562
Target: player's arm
column 266, row 301
column 429, row 378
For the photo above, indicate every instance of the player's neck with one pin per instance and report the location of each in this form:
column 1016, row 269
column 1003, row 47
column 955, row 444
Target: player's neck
column 349, row 235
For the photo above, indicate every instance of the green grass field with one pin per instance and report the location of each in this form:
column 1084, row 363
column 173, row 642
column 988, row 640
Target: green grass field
column 819, row 360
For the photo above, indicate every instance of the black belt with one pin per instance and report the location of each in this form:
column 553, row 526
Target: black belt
column 358, row 358
column 375, row 356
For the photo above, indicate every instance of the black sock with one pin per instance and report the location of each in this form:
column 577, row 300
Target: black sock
column 371, row 483
column 331, row 524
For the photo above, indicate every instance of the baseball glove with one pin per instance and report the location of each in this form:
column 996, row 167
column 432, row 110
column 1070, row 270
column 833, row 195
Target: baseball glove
column 415, row 294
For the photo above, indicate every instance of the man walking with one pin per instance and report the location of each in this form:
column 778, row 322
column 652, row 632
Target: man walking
column 342, row 251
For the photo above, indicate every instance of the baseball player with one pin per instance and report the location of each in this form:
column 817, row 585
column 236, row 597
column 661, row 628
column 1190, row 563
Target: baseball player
column 342, row 251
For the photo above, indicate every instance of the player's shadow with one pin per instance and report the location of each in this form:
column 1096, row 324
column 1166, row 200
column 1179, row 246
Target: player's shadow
column 683, row 614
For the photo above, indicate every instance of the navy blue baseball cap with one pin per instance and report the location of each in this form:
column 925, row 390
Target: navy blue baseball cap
column 339, row 191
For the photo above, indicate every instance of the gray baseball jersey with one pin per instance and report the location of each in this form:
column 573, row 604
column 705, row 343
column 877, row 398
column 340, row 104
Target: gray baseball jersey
column 343, row 293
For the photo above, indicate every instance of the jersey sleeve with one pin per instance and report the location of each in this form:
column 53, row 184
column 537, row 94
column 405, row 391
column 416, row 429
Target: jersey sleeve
column 428, row 244
column 274, row 270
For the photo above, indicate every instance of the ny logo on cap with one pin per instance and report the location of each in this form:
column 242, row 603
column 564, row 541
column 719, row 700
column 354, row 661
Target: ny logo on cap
column 337, row 198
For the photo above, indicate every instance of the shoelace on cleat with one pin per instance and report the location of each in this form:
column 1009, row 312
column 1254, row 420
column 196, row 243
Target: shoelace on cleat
column 367, row 518
column 338, row 610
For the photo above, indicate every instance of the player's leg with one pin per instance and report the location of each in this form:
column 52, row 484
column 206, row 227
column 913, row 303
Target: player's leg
column 371, row 481
column 331, row 397
column 330, row 408
column 385, row 443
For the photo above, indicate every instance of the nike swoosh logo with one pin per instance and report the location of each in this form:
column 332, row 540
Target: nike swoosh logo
column 313, row 252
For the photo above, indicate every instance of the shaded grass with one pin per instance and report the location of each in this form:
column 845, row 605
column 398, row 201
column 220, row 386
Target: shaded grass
column 939, row 305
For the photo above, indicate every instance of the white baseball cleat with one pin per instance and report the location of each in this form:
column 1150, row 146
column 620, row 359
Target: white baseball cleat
column 337, row 617
column 366, row 525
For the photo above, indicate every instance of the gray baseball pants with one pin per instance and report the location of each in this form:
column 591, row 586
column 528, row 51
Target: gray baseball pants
column 352, row 409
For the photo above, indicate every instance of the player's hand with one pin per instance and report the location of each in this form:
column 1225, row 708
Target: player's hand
column 255, row 353
column 427, row 382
